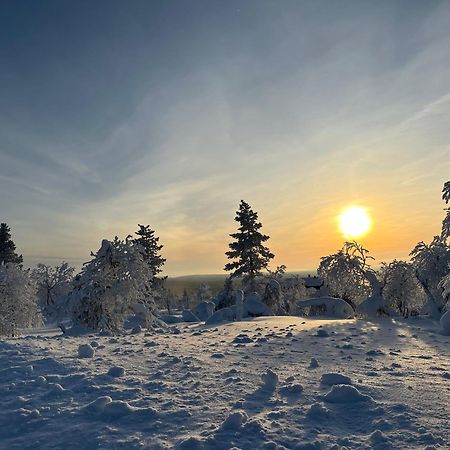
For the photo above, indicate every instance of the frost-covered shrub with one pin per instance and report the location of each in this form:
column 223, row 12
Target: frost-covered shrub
column 431, row 265
column 345, row 273
column 110, row 285
column 18, row 301
column 53, row 286
column 401, row 290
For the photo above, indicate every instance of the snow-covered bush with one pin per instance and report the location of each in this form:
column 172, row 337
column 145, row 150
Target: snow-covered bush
column 273, row 297
column 53, row 286
column 431, row 265
column 345, row 273
column 110, row 285
column 401, row 290
column 18, row 300
column 225, row 297
column 326, row 306
column 293, row 289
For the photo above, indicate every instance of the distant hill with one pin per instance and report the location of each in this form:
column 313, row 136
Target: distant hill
column 215, row 281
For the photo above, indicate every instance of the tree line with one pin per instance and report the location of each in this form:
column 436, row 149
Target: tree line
column 124, row 276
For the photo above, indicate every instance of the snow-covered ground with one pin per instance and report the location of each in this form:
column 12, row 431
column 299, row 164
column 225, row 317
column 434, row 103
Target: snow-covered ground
column 268, row 383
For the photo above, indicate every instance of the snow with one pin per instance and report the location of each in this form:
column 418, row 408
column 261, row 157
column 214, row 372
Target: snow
column 445, row 323
column 344, row 393
column 204, row 310
column 245, row 385
column 85, row 351
column 116, row 372
column 254, row 307
column 269, row 379
column 333, row 307
column 189, row 316
column 330, row 379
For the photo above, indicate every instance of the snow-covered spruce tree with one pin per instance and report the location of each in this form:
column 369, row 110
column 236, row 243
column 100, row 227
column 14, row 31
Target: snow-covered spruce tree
column 248, row 251
column 225, row 297
column 431, row 265
column 7, row 247
column 18, row 300
column 150, row 249
column 345, row 273
column 401, row 290
column 112, row 285
column 53, row 286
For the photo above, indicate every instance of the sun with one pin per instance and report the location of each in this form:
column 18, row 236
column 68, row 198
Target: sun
column 354, row 222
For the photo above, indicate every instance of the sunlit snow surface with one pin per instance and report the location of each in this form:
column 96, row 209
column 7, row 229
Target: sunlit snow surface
column 210, row 388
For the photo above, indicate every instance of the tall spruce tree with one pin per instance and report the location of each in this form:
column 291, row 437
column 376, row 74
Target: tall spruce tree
column 151, row 251
column 248, row 251
column 7, row 247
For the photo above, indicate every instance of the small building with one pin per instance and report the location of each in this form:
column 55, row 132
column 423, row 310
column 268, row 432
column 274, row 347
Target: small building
column 313, row 282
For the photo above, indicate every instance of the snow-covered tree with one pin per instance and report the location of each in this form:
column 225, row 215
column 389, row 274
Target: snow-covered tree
column 431, row 265
column 204, row 292
column 401, row 290
column 7, row 247
column 273, row 297
column 248, row 252
column 151, row 249
column 345, row 273
column 446, row 221
column 53, row 285
column 18, row 300
column 225, row 297
column 111, row 286
column 294, row 289
column 186, row 299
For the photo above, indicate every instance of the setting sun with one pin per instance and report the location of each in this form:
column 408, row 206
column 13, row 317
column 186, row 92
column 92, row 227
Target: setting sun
column 354, row 222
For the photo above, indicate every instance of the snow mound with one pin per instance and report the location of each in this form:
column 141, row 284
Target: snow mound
column 136, row 330
column 189, row 316
column 170, row 318
column 373, row 306
column 333, row 307
column 377, row 438
column 190, row 443
column 116, row 372
column 40, row 380
column 445, row 323
column 317, row 411
column 291, row 389
column 117, row 408
column 98, row 405
column 223, row 315
column 234, row 421
column 269, row 379
column 313, row 363
column 344, row 393
column 321, row 332
column 85, row 351
column 109, row 408
column 242, row 339
column 329, row 379
column 254, row 307
column 204, row 310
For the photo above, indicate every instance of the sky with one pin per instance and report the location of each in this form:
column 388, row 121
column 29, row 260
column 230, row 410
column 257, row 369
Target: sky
column 168, row 113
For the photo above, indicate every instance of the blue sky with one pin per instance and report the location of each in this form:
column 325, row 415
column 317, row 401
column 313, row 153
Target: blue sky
column 168, row 113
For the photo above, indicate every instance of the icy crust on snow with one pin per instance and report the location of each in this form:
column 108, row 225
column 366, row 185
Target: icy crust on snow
column 266, row 383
